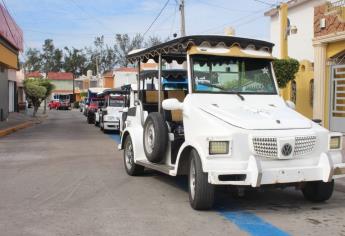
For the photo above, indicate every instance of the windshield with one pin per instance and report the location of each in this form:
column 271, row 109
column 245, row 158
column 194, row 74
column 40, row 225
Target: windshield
column 116, row 103
column 99, row 103
column 217, row 74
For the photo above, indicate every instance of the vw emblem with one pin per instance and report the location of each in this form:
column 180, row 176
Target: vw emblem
column 287, row 149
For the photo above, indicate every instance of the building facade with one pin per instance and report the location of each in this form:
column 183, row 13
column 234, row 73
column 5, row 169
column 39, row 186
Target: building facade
column 329, row 64
column 11, row 43
column 125, row 75
column 319, row 44
column 63, row 82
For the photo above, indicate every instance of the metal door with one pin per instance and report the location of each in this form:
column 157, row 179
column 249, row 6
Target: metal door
column 337, row 109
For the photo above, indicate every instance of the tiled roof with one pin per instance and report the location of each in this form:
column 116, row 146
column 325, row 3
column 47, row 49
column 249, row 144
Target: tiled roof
column 34, row 74
column 126, row 69
column 60, row 76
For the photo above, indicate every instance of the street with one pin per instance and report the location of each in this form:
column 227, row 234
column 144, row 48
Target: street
column 65, row 177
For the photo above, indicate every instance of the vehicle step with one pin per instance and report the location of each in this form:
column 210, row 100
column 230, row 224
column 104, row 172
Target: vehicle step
column 159, row 167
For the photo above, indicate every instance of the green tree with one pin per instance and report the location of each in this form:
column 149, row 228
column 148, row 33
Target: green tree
column 34, row 92
column 75, row 61
column 103, row 55
column 33, row 60
column 124, row 44
column 51, row 57
column 285, row 70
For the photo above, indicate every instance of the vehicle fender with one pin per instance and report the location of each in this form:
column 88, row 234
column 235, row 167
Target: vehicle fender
column 183, row 157
column 136, row 140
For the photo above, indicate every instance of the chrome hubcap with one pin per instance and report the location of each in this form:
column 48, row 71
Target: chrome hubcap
column 192, row 179
column 129, row 155
column 150, row 138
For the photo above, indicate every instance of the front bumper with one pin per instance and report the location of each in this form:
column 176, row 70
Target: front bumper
column 111, row 125
column 255, row 175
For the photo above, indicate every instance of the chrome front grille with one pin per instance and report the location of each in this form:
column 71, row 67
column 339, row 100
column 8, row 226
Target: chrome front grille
column 268, row 146
column 304, row 145
column 265, row 146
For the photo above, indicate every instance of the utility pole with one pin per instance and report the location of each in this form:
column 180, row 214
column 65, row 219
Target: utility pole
column 182, row 19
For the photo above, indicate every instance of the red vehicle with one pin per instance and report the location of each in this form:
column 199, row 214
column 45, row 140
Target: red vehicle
column 54, row 104
column 60, row 102
column 95, row 103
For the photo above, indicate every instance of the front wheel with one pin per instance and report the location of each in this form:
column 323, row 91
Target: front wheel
column 132, row 169
column 201, row 193
column 318, row 191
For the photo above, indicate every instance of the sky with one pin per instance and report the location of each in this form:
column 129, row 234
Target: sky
column 75, row 23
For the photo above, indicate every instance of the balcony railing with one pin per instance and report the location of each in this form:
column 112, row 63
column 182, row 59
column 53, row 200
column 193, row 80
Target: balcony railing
column 336, row 7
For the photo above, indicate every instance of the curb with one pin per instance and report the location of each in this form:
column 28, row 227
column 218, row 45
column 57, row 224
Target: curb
column 15, row 128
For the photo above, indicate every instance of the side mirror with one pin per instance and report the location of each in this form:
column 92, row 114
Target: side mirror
column 291, row 104
column 172, row 104
column 125, row 109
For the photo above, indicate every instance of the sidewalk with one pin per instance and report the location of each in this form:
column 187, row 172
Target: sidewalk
column 19, row 120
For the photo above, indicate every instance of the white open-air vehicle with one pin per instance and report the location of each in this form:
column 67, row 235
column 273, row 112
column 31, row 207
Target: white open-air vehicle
column 108, row 117
column 230, row 127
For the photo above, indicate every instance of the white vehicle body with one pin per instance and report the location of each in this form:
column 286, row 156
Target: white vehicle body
column 267, row 141
column 109, row 117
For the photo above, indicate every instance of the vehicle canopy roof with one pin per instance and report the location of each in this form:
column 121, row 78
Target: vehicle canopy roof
column 114, row 91
column 175, row 74
column 197, row 44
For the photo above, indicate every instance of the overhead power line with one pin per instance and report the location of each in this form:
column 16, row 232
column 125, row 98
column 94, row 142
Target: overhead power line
column 156, row 18
column 87, row 13
column 266, row 3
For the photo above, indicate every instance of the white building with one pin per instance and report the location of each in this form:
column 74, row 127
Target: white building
column 125, row 75
column 301, row 15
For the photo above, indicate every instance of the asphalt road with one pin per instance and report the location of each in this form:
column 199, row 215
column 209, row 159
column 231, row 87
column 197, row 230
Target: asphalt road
column 65, row 177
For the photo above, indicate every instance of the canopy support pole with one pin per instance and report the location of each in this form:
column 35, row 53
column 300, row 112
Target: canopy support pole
column 159, row 82
column 138, row 80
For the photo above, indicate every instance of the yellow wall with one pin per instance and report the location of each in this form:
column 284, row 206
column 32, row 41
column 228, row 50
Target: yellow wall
column 8, row 57
column 303, row 96
column 303, row 78
column 335, row 48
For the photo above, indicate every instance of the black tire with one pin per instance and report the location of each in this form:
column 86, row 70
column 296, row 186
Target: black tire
column 90, row 118
column 202, row 197
column 95, row 122
column 101, row 125
column 318, row 191
column 155, row 137
column 132, row 169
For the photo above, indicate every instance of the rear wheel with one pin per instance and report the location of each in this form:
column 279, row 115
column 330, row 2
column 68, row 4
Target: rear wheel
column 318, row 191
column 128, row 157
column 201, row 193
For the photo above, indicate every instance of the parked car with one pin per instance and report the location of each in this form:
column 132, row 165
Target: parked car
column 64, row 104
column 92, row 108
column 110, row 115
column 91, row 94
column 53, row 104
column 230, row 127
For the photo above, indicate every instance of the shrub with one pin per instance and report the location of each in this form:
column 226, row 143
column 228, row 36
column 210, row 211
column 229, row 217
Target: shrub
column 35, row 93
column 285, row 70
